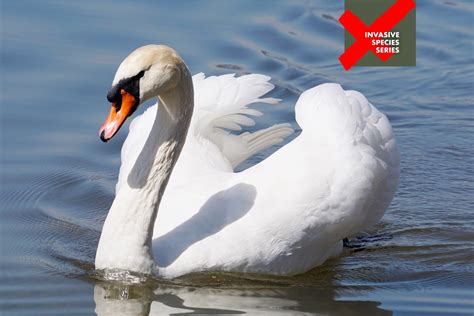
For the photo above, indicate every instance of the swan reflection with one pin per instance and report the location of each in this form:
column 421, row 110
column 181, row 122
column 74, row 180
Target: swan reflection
column 139, row 299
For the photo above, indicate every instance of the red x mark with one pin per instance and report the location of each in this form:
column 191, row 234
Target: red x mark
column 357, row 28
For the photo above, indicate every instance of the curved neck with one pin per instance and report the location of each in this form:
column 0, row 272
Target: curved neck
column 125, row 242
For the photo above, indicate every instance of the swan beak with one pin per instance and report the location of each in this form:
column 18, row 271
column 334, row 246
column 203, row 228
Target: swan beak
column 117, row 116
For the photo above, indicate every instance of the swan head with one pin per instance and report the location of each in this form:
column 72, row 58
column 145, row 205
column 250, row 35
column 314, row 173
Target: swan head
column 149, row 71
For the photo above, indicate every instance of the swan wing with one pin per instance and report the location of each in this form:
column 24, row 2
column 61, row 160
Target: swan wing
column 222, row 109
column 343, row 167
column 291, row 210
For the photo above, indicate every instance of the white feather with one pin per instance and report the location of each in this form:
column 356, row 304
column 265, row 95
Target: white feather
column 286, row 214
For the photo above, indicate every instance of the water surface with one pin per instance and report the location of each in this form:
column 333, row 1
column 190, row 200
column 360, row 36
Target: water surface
column 58, row 59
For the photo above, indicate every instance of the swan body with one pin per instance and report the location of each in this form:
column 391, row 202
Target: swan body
column 285, row 215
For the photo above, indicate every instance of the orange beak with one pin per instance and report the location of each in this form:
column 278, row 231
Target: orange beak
column 116, row 118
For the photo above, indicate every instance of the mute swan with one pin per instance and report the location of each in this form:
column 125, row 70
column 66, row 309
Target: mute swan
column 284, row 216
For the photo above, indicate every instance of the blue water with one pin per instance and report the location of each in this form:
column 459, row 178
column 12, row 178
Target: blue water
column 58, row 59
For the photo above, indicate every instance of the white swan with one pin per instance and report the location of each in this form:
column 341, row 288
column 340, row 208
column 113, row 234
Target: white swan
column 284, row 215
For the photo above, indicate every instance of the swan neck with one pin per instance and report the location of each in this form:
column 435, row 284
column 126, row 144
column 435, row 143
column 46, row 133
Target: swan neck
column 126, row 238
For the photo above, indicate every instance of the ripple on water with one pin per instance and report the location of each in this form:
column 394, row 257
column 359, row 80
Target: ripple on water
column 58, row 181
column 61, row 214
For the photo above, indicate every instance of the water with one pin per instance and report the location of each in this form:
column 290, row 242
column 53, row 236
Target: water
column 57, row 61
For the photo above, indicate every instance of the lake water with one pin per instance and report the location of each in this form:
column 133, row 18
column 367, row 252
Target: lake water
column 58, row 59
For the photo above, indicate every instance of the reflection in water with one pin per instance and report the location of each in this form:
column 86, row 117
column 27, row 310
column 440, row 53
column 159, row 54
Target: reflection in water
column 157, row 299
column 57, row 179
column 122, row 299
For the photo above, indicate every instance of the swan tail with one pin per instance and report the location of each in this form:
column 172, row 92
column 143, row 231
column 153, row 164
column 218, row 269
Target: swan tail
column 222, row 108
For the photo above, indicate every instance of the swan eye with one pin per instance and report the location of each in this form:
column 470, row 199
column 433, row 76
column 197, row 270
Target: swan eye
column 140, row 74
column 129, row 85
